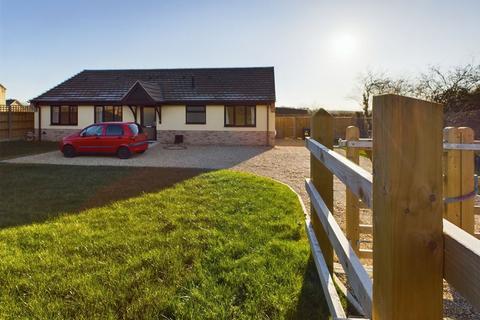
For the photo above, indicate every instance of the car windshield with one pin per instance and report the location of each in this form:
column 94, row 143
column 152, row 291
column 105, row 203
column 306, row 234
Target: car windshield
column 135, row 128
column 92, row 131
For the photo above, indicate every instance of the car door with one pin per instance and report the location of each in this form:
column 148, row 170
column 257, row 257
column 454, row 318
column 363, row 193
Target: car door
column 113, row 137
column 89, row 141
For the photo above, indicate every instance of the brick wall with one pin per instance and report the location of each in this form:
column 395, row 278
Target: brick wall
column 54, row 134
column 251, row 138
column 218, row 137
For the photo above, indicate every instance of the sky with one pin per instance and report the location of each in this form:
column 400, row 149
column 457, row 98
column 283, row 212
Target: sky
column 319, row 48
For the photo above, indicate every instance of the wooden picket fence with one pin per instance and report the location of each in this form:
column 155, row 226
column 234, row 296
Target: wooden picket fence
column 414, row 247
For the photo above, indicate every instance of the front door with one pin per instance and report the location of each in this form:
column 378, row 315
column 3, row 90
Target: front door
column 149, row 122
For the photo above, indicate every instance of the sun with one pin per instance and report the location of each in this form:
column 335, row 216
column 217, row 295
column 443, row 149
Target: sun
column 344, row 44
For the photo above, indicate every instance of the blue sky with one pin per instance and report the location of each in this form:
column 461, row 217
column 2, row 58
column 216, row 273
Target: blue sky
column 318, row 48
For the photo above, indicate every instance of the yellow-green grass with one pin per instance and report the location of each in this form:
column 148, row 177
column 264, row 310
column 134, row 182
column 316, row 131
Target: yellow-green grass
column 221, row 245
column 13, row 149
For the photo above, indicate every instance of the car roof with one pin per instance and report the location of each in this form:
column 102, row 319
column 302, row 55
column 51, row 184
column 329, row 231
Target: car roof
column 116, row 122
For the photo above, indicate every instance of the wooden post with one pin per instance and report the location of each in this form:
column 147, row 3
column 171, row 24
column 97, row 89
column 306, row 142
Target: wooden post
column 407, row 206
column 452, row 186
column 322, row 179
column 467, row 173
column 294, row 127
column 352, row 212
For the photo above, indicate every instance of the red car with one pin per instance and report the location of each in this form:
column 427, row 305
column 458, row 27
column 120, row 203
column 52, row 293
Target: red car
column 120, row 138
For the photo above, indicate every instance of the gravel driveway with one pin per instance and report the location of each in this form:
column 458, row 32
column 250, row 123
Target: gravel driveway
column 158, row 155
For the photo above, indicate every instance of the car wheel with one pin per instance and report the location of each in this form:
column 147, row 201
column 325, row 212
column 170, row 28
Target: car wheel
column 124, row 153
column 68, row 151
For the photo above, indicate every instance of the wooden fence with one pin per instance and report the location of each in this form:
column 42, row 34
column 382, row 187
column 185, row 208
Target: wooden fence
column 460, row 183
column 292, row 126
column 414, row 246
column 15, row 123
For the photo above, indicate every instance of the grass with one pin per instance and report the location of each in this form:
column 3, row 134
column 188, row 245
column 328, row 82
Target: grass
column 221, row 245
column 36, row 193
column 13, row 149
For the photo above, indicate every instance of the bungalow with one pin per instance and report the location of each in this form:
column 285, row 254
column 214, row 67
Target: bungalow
column 232, row 106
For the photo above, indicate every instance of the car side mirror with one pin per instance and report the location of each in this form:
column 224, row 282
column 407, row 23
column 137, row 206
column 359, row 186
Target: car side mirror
column 82, row 134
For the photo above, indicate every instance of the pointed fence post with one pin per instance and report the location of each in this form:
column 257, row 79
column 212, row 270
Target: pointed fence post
column 467, row 185
column 407, row 206
column 352, row 212
column 322, row 178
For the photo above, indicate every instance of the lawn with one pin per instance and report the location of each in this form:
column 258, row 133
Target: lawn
column 35, row 193
column 12, row 149
column 217, row 245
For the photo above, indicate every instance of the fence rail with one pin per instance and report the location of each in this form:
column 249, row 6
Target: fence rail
column 357, row 275
column 366, row 143
column 409, row 214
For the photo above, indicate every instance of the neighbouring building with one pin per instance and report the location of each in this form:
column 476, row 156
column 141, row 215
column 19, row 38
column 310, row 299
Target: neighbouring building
column 11, row 104
column 2, row 95
column 15, row 104
column 229, row 106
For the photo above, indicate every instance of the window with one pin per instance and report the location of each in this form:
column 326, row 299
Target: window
column 240, row 116
column 114, row 130
column 135, row 128
column 64, row 115
column 92, row 131
column 108, row 113
column 196, row 115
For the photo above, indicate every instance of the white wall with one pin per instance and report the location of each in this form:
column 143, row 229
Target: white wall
column 86, row 117
column 173, row 118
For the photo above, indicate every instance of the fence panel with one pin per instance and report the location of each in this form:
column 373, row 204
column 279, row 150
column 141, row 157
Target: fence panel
column 14, row 125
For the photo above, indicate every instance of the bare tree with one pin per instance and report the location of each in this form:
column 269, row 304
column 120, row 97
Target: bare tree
column 378, row 83
column 457, row 89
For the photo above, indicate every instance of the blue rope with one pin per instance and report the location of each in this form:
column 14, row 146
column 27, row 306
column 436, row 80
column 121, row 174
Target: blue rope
column 465, row 196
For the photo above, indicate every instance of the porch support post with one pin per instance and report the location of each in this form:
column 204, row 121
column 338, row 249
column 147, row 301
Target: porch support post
column 134, row 112
column 159, row 115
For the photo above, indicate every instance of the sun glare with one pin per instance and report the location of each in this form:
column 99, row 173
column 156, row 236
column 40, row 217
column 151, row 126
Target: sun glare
column 344, row 44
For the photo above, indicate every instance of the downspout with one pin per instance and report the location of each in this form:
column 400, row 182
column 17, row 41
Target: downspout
column 39, row 123
column 268, row 123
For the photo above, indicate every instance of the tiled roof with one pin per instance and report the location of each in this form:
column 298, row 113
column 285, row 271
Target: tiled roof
column 211, row 85
column 10, row 101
